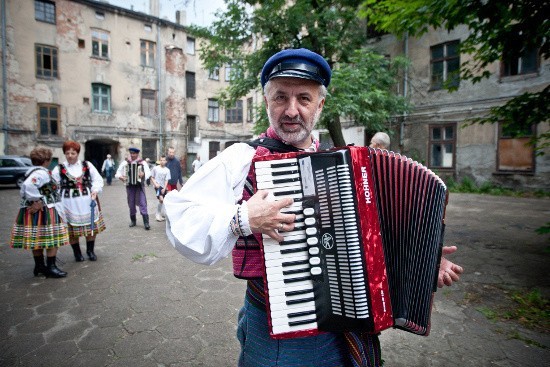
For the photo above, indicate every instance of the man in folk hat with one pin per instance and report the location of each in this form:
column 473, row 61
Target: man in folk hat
column 134, row 171
column 217, row 213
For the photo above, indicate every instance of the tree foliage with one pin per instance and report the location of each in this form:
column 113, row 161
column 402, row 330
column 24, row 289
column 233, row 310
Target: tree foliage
column 248, row 32
column 499, row 29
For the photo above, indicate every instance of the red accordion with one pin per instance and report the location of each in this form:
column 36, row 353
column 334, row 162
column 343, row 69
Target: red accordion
column 364, row 254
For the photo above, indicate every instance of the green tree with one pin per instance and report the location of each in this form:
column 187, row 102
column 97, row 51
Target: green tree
column 499, row 29
column 249, row 32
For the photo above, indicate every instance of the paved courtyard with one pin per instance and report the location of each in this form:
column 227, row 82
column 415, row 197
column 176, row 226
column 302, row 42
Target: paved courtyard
column 142, row 304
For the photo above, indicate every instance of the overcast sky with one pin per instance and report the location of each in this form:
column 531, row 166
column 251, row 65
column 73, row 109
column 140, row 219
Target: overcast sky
column 199, row 12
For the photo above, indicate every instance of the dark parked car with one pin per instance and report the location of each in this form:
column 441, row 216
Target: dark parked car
column 13, row 169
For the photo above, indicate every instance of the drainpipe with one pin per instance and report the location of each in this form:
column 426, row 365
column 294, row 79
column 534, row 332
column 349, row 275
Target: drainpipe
column 405, row 89
column 5, row 127
column 159, row 94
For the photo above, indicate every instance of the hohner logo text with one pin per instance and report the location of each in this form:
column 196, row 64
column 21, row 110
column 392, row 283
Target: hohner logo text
column 365, row 184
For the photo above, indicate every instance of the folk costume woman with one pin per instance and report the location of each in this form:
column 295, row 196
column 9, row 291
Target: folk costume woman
column 80, row 183
column 39, row 225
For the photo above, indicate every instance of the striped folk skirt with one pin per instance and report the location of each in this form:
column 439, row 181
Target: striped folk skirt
column 41, row 230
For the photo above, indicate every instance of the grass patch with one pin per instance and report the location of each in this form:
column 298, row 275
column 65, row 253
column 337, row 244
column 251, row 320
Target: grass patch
column 467, row 185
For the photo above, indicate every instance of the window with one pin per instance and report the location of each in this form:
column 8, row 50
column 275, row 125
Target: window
column 100, row 43
column 249, row 110
column 190, row 84
column 514, row 154
column 445, row 63
column 147, row 53
column 191, row 127
column 101, row 98
column 214, row 74
column 442, row 146
column 228, row 73
column 515, row 63
column 48, row 119
column 190, row 46
column 213, row 110
column 149, row 149
column 148, row 103
column 213, row 149
column 46, row 61
column 44, row 11
column 235, row 114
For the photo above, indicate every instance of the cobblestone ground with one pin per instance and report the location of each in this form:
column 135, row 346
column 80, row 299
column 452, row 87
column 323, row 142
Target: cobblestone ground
column 142, row 304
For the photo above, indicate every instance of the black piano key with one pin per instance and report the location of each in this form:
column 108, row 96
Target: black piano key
column 301, row 313
column 282, row 165
column 285, row 180
column 297, row 262
column 292, row 242
column 292, row 250
column 303, row 322
column 301, row 300
column 288, row 192
column 295, row 271
column 298, row 279
column 298, row 292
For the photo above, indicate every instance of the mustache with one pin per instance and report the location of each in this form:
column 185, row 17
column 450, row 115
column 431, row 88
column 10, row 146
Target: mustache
column 295, row 120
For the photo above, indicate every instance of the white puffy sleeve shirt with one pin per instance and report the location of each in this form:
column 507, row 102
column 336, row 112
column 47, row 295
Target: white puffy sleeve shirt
column 198, row 216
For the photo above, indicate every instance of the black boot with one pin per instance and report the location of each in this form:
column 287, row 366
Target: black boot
column 132, row 221
column 39, row 266
column 53, row 270
column 90, row 250
column 146, row 222
column 77, row 253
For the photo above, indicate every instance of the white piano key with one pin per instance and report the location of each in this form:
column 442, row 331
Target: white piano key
column 308, row 306
column 276, row 292
column 262, row 164
column 306, row 284
column 288, row 329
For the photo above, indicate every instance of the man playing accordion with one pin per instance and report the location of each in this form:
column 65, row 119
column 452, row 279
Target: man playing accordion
column 134, row 171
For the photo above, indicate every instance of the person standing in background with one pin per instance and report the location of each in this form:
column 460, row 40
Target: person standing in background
column 380, row 140
column 174, row 166
column 108, row 169
column 79, row 185
column 196, row 163
column 135, row 191
column 160, row 176
column 39, row 224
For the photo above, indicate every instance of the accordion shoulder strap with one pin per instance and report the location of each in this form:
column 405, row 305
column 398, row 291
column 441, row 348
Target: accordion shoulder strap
column 274, row 145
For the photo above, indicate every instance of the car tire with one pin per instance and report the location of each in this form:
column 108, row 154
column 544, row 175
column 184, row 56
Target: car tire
column 20, row 181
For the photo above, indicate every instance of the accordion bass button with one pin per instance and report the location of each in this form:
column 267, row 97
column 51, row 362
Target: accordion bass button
column 309, row 211
column 309, row 221
column 313, row 251
column 315, row 261
column 312, row 241
column 311, row 231
column 316, row 270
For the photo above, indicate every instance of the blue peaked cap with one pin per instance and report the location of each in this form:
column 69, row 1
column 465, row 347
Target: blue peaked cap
column 133, row 150
column 297, row 63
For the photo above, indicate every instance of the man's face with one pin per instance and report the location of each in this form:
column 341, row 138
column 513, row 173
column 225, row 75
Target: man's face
column 134, row 155
column 293, row 107
column 171, row 153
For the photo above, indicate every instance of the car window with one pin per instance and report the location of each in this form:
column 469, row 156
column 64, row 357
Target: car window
column 9, row 163
column 27, row 162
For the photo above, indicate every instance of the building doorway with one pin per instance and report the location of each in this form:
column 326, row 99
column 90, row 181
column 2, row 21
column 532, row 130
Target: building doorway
column 96, row 150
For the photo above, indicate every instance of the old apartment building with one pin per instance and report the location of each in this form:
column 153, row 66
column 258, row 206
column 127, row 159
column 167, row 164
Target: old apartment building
column 437, row 133
column 109, row 78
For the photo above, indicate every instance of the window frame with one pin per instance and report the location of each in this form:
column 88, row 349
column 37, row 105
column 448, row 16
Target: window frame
column 190, row 84
column 48, row 119
column 40, row 70
column 502, row 136
column 100, row 97
column 506, row 64
column 214, row 74
column 145, row 107
column 249, row 109
column 213, row 110
column 190, row 46
column 235, row 114
column 102, row 38
column 147, row 56
column 45, row 14
column 441, row 142
column 444, row 60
